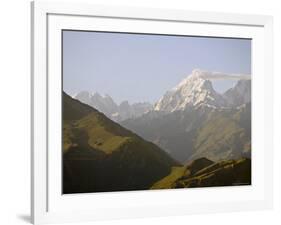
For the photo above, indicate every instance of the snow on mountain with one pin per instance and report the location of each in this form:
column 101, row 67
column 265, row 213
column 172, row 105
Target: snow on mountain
column 196, row 90
column 192, row 120
column 192, row 91
column 106, row 105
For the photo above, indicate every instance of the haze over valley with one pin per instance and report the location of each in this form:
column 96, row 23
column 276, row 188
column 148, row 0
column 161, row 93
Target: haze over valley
column 190, row 128
column 150, row 111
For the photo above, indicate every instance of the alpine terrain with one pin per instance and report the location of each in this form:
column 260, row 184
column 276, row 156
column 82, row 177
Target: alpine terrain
column 112, row 110
column 193, row 120
column 192, row 136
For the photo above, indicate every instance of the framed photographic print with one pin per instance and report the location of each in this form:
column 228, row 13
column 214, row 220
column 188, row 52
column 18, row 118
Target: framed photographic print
column 149, row 112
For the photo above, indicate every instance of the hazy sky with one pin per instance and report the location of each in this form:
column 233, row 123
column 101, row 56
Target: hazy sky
column 138, row 68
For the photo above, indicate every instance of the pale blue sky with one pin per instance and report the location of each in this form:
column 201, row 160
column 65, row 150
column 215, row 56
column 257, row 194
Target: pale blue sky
column 137, row 67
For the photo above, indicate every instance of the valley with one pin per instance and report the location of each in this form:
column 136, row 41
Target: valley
column 192, row 136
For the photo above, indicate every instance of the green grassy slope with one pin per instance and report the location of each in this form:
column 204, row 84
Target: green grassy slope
column 205, row 173
column 100, row 155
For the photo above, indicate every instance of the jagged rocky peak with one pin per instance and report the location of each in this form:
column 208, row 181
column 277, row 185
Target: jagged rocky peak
column 83, row 96
column 124, row 104
column 106, row 105
column 197, row 76
column 239, row 94
column 194, row 90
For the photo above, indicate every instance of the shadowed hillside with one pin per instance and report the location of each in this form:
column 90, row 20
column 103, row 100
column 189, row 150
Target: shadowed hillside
column 226, row 134
column 192, row 120
column 100, row 155
column 198, row 132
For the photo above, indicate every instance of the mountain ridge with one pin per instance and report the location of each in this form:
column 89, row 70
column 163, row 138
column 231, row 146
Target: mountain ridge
column 203, row 172
column 101, row 155
column 197, row 89
column 192, row 120
column 110, row 108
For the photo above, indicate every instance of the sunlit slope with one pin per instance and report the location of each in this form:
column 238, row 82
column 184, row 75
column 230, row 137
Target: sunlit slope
column 101, row 155
column 205, row 173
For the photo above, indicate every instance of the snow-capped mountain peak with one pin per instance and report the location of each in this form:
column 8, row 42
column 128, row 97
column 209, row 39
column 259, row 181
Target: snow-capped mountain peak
column 194, row 90
column 106, row 105
column 196, row 74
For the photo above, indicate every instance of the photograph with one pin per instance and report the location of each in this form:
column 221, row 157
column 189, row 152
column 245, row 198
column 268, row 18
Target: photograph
column 143, row 111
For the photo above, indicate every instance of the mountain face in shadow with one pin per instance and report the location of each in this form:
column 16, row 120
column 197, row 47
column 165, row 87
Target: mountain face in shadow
column 239, row 94
column 192, row 121
column 192, row 137
column 198, row 132
column 100, row 155
column 173, row 132
column 225, row 134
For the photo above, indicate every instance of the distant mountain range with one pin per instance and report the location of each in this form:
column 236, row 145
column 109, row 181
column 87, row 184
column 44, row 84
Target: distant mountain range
column 112, row 110
column 195, row 91
column 192, row 137
column 192, row 120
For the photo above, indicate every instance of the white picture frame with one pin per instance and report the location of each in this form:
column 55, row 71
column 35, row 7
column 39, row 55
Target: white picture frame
column 47, row 206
